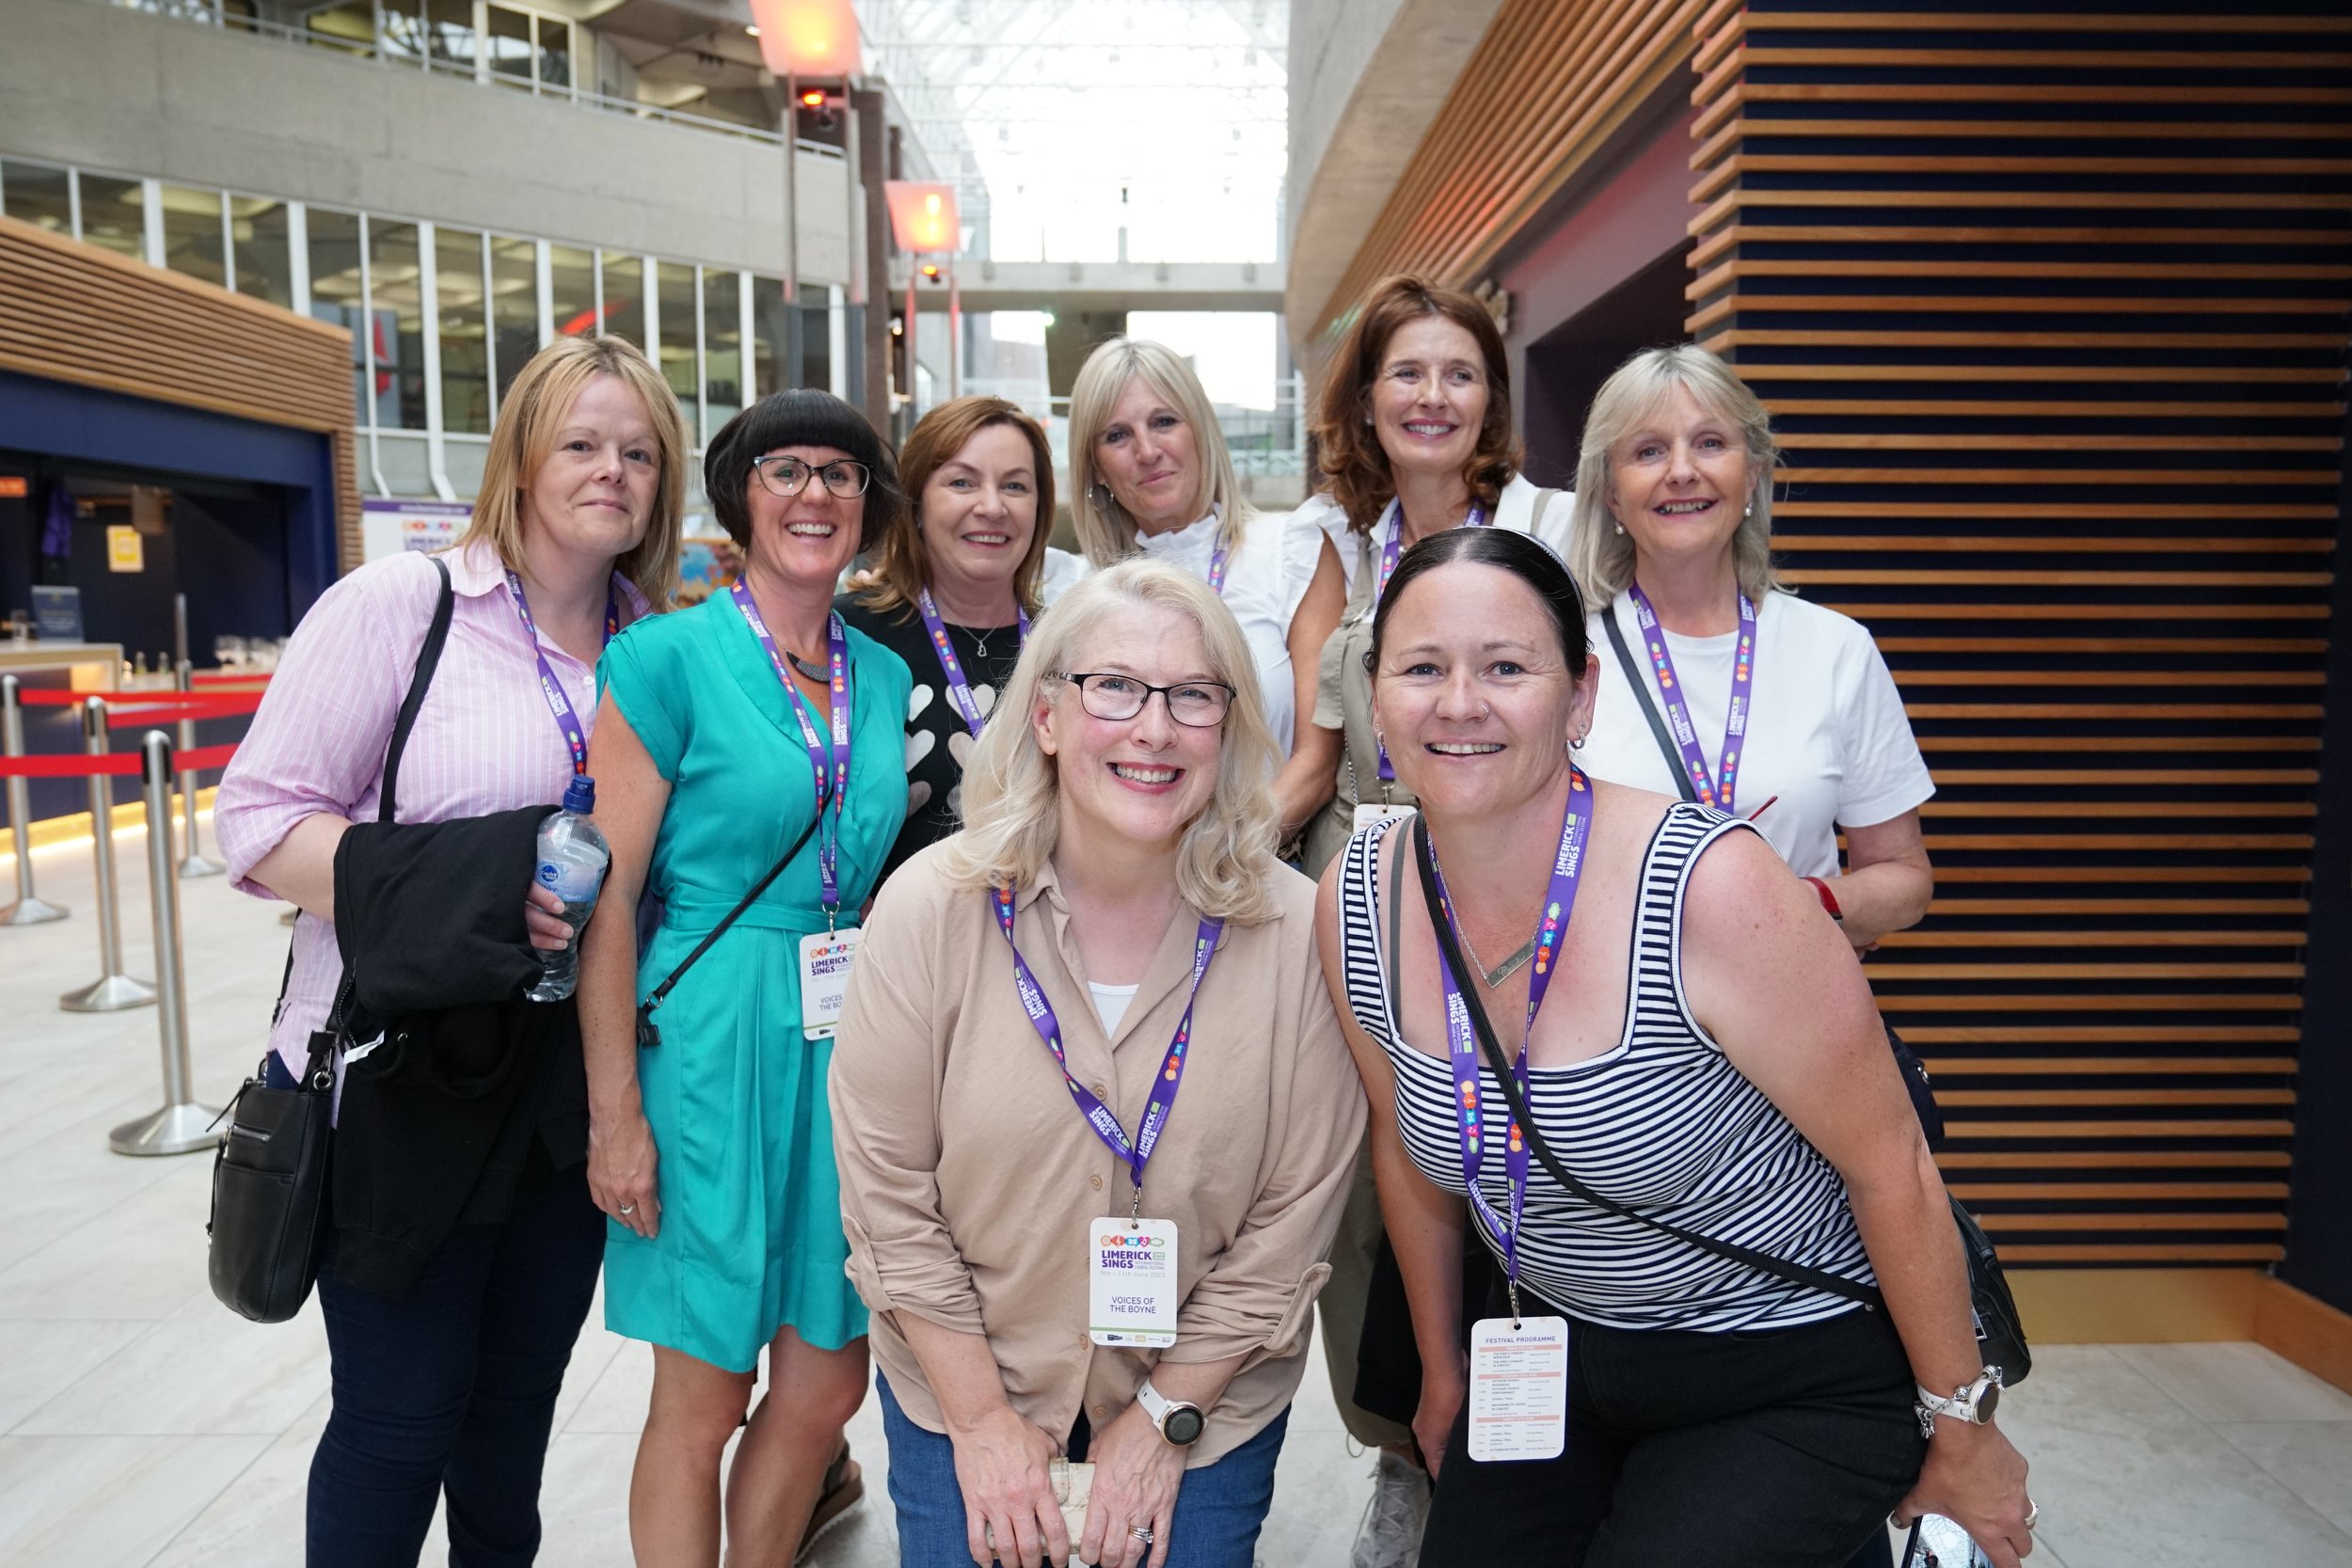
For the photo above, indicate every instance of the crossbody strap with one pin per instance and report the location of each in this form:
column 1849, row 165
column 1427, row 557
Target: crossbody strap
column 1764, row 1262
column 323, row 1041
column 648, row 1035
column 1633, row 678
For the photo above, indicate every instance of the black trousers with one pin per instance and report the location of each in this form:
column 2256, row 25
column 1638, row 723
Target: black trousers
column 1780, row 1448
column 453, row 1390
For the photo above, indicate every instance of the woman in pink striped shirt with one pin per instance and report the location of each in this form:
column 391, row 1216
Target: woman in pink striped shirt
column 447, row 1361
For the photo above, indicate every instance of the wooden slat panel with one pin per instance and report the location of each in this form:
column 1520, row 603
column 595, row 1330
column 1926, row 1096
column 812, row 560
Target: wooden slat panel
column 77, row 315
column 2066, row 395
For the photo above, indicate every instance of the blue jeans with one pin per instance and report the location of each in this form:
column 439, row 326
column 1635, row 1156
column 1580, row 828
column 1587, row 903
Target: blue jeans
column 451, row 1390
column 1219, row 1507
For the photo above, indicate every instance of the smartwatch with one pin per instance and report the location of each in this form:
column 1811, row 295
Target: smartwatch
column 1973, row 1403
column 1180, row 1421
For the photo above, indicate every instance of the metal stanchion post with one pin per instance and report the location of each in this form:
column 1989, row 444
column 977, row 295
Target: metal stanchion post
column 28, row 909
column 112, row 990
column 193, row 863
column 183, row 1126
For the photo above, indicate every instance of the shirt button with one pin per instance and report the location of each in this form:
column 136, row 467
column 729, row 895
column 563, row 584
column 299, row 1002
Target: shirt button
column 1101, row 1411
column 1100, row 1092
column 1095, row 1182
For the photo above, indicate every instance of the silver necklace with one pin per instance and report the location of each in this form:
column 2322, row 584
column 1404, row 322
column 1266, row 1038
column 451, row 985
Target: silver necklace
column 817, row 673
column 1509, row 967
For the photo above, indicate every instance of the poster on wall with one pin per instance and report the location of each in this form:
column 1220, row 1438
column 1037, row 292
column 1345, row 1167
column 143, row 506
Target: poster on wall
column 125, row 550
column 389, row 527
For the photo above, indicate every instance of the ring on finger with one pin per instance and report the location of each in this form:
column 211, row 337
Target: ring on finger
column 1141, row 1534
column 2033, row 1513
column 627, row 1208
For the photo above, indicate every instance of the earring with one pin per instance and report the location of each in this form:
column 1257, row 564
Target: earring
column 1577, row 744
column 1748, row 511
column 1619, row 527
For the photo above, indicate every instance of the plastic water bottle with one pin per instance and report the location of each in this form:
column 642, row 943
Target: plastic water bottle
column 572, row 861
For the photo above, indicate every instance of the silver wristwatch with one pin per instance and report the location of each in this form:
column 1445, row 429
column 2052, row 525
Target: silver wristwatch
column 1973, row 1403
column 1178, row 1421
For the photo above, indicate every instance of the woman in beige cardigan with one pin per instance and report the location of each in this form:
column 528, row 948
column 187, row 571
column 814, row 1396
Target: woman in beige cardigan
column 1110, row 928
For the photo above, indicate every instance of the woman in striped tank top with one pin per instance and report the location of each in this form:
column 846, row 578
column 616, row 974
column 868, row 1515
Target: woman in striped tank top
column 1711, row 1062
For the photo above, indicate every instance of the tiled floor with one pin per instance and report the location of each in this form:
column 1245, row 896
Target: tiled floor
column 142, row 1424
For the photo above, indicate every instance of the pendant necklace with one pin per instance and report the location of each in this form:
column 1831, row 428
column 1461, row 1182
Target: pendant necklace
column 1509, row 967
column 817, row 673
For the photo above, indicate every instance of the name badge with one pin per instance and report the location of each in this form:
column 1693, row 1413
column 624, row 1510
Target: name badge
column 825, row 960
column 1131, row 1282
column 1371, row 813
column 1519, row 1388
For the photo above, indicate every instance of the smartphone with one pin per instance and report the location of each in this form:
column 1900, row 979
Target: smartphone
column 1938, row 1543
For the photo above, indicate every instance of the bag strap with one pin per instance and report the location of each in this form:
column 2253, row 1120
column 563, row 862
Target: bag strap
column 323, row 1041
column 1635, row 678
column 648, row 1034
column 1795, row 1273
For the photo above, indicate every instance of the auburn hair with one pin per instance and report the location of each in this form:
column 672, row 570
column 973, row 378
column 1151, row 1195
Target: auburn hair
column 901, row 568
column 1355, row 466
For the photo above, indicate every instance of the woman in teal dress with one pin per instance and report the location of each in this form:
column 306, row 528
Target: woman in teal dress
column 718, row 745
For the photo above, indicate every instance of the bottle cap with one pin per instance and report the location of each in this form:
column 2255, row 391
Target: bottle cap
column 580, row 795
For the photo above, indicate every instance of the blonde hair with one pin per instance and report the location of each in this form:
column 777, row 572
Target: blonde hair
column 1225, row 864
column 530, row 416
column 1104, row 529
column 1600, row 553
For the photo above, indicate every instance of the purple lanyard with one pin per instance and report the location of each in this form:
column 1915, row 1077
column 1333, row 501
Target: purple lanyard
column 1393, row 520
column 957, row 688
column 1099, row 1116
column 1216, row 571
column 831, row 765
column 1678, row 714
column 566, row 719
column 1559, row 903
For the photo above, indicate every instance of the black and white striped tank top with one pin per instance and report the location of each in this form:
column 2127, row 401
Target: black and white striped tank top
column 1662, row 1123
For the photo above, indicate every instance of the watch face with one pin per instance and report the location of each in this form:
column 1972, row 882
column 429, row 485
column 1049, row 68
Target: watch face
column 1184, row 1425
column 1986, row 1402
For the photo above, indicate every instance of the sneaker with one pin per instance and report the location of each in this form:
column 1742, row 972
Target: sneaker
column 1390, row 1535
column 845, row 1483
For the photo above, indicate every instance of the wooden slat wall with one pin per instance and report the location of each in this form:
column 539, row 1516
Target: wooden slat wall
column 1541, row 94
column 2050, row 308
column 75, row 313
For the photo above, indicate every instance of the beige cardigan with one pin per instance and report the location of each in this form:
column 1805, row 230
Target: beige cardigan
column 968, row 1177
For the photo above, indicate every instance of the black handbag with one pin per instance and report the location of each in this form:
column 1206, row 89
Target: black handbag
column 2000, row 1332
column 1913, row 1072
column 269, row 1215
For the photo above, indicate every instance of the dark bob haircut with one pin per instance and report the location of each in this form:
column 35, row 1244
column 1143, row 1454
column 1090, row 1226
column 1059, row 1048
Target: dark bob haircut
column 1524, row 556
column 802, row 417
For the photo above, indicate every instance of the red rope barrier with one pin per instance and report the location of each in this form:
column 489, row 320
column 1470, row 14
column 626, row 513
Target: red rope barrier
column 201, row 759
column 133, row 707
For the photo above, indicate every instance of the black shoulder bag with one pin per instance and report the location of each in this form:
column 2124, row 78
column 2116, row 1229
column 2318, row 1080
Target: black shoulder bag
column 1915, row 1083
column 2000, row 1333
column 268, row 1223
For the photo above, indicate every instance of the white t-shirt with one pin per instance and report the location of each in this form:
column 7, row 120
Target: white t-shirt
column 1264, row 583
column 1515, row 510
column 1827, row 740
column 1110, row 1003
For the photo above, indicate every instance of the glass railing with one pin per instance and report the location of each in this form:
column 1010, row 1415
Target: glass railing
column 541, row 65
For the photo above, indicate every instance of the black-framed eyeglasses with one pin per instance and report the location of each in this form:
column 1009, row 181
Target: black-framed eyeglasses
column 790, row 476
column 1200, row 704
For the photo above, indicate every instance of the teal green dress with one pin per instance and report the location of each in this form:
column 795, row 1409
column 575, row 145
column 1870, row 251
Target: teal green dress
column 750, row 1237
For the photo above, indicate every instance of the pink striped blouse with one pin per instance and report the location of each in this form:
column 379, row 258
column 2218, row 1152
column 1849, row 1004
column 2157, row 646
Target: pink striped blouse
column 483, row 740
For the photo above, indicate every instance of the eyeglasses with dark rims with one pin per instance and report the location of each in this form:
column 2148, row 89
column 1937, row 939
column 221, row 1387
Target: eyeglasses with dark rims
column 788, row 476
column 1106, row 695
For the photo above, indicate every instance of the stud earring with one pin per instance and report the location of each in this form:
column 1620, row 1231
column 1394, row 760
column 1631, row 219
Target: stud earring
column 1619, row 527
column 1748, row 511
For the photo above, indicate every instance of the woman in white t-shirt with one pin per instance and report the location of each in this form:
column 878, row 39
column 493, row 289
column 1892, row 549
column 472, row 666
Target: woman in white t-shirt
column 1150, row 474
column 1673, row 538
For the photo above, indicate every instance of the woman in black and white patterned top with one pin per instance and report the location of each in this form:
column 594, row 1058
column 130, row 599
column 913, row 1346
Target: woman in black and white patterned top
column 1710, row 1060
